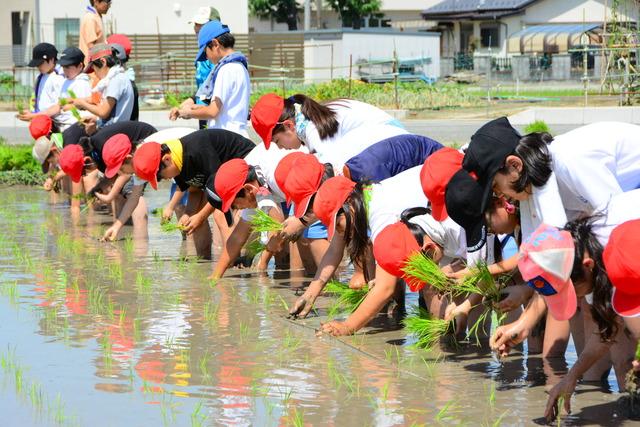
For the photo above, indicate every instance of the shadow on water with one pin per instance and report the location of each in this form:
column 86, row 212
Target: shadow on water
column 133, row 332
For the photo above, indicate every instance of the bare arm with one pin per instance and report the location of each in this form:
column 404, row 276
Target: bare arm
column 202, row 112
column 102, row 109
column 231, row 250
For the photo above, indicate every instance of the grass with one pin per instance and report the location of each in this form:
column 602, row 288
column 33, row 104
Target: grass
column 427, row 329
column 537, row 126
column 261, row 221
column 348, row 299
column 424, row 269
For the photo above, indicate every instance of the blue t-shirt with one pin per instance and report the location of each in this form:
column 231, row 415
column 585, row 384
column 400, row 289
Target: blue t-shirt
column 203, row 68
column 121, row 90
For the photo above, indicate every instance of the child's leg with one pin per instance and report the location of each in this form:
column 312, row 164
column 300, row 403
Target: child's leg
column 140, row 220
column 202, row 237
column 622, row 353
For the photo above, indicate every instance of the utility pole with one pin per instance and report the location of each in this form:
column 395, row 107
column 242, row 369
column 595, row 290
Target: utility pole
column 307, row 15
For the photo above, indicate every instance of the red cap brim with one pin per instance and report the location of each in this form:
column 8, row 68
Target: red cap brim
column 112, row 171
column 564, row 304
column 439, row 211
column 301, row 208
column 75, row 176
column 331, row 227
column 267, row 141
column 624, row 304
column 154, row 182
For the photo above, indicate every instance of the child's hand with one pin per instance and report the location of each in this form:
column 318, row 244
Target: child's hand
column 292, row 229
column 25, row 116
column 184, row 113
column 335, row 328
column 90, row 125
column 190, row 223
column 111, row 234
column 275, row 244
column 456, row 275
column 103, row 197
column 508, row 336
column 515, row 297
column 167, row 213
column 564, row 389
column 304, row 304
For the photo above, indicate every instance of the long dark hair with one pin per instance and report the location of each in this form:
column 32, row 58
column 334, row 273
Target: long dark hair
column 320, row 114
column 415, row 229
column 585, row 241
column 86, row 144
column 356, row 236
column 536, row 161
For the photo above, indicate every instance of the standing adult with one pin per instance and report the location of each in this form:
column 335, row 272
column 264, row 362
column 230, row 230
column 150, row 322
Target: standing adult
column 227, row 86
column 91, row 29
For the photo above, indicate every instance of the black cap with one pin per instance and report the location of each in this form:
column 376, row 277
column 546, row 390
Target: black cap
column 487, row 152
column 43, row 52
column 463, row 197
column 71, row 56
column 215, row 200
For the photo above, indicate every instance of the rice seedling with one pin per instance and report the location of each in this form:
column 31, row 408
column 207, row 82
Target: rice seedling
column 156, row 257
column 427, row 329
column 443, row 414
column 291, row 343
column 128, row 245
column 262, row 222
column 422, row 268
column 197, row 417
column 36, row 396
column 203, row 364
column 170, row 227
column 254, row 247
column 122, row 316
column 210, row 313
column 137, row 336
column 10, row 289
column 244, row 331
column 296, row 419
column 74, row 111
column 143, row 283
column 492, row 394
column 19, row 105
column 348, row 299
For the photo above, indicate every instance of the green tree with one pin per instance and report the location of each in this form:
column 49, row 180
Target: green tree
column 352, row 11
column 280, row 10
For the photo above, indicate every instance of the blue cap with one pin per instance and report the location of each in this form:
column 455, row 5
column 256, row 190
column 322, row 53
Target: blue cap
column 208, row 32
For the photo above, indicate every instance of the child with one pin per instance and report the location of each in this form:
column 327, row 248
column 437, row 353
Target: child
column 227, row 87
column 122, row 50
column 48, row 83
column 76, row 82
column 118, row 158
column 116, row 93
column 191, row 160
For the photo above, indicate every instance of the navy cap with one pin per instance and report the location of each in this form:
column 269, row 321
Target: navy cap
column 463, row 197
column 71, row 56
column 208, row 32
column 43, row 52
column 489, row 148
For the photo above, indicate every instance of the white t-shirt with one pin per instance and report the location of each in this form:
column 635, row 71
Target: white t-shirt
column 120, row 89
column 545, row 205
column 233, row 89
column 595, row 162
column 81, row 86
column 48, row 90
column 161, row 137
column 355, row 142
column 621, row 208
column 350, row 115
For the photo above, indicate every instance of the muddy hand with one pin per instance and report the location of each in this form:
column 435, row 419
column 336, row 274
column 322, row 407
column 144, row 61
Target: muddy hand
column 334, row 328
column 302, row 306
column 563, row 390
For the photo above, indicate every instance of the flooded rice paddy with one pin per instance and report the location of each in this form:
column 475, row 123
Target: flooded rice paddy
column 131, row 333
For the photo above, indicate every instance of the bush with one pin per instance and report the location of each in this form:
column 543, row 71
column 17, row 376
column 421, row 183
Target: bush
column 537, row 126
column 17, row 157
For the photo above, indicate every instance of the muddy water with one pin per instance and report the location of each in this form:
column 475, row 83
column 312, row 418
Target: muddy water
column 127, row 333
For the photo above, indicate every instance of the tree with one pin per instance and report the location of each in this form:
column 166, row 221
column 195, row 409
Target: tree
column 280, row 10
column 354, row 10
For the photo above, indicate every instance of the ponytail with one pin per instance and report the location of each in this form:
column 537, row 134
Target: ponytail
column 536, row 161
column 585, row 241
column 356, row 236
column 86, row 144
column 416, row 230
column 323, row 117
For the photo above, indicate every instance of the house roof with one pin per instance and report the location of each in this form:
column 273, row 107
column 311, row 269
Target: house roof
column 474, row 9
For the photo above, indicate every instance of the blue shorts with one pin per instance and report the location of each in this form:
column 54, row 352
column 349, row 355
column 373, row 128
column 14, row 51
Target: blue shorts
column 317, row 230
column 185, row 196
column 509, row 247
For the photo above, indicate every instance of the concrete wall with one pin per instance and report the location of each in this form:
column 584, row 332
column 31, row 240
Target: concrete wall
column 366, row 45
column 141, row 17
column 6, row 40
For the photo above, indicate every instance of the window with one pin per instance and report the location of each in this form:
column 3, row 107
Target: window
column 63, row 28
column 490, row 35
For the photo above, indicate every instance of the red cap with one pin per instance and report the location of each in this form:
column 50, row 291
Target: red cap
column 146, row 162
column 40, row 126
column 122, row 40
column 623, row 268
column 265, row 115
column 392, row 249
column 114, row 152
column 282, row 171
column 303, row 182
column 230, row 178
column 72, row 161
column 329, row 199
column 436, row 174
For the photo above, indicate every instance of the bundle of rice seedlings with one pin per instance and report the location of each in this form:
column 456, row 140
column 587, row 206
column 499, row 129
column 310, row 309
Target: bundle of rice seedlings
column 261, row 221
column 424, row 269
column 74, row 111
column 19, row 106
column 348, row 299
column 427, row 329
column 170, row 227
column 254, row 247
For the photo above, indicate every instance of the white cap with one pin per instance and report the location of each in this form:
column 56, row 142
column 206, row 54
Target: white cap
column 41, row 150
column 204, row 15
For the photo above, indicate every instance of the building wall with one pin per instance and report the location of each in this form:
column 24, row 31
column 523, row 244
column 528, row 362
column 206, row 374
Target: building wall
column 141, row 17
column 7, row 51
column 365, row 45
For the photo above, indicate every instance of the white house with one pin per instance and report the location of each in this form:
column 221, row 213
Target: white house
column 506, row 27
